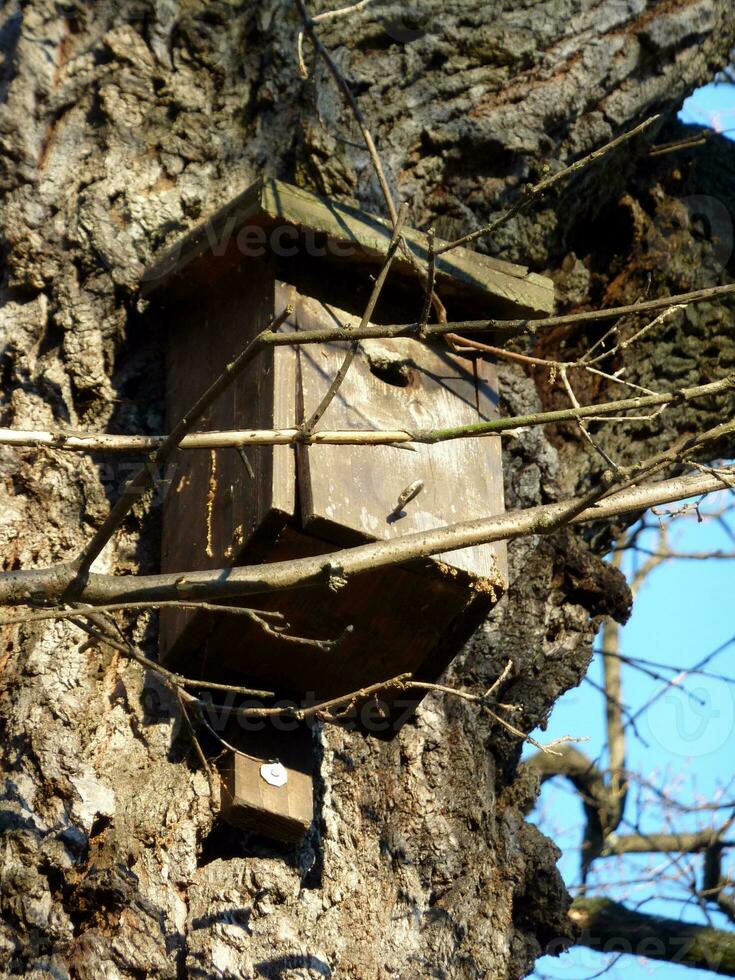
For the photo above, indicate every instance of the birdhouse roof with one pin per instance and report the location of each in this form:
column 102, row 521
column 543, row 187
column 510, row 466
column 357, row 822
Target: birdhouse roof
column 275, row 218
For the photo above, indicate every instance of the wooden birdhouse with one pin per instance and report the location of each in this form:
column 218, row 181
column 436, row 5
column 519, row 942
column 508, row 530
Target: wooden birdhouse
column 276, row 245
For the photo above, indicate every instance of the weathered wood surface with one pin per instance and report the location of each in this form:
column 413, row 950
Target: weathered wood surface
column 251, row 802
column 345, row 234
column 215, row 500
column 399, row 384
column 405, row 619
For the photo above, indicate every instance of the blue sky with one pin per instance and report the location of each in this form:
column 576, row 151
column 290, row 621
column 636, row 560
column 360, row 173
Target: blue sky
column 712, row 106
column 684, row 611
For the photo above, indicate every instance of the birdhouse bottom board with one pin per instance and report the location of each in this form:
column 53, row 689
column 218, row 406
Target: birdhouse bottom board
column 275, row 503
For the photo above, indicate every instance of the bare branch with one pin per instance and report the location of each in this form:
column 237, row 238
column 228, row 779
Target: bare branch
column 685, row 843
column 684, row 673
column 697, row 139
column 512, row 327
column 714, row 883
column 615, row 723
column 688, row 555
column 102, row 442
column 652, row 668
column 50, row 584
column 610, row 927
column 601, row 806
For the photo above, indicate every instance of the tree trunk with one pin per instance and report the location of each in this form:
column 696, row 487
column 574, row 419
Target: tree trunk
column 121, row 125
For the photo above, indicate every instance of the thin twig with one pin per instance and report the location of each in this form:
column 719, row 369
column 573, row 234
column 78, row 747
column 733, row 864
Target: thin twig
column 514, row 327
column 356, row 111
column 309, row 23
column 99, row 630
column 500, row 680
column 339, row 12
column 688, row 555
column 696, row 139
column 183, row 698
column 582, row 427
column 42, row 614
column 430, row 282
column 586, row 360
column 261, row 617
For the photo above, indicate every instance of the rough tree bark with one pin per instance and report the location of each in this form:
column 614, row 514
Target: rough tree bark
column 121, row 125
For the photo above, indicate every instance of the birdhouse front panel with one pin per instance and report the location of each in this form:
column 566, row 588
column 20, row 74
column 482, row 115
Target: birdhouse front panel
column 350, row 493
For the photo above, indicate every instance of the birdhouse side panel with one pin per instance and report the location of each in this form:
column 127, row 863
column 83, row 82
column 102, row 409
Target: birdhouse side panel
column 220, row 501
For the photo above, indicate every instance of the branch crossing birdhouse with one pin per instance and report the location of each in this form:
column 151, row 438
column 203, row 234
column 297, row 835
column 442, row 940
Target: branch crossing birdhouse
column 271, row 247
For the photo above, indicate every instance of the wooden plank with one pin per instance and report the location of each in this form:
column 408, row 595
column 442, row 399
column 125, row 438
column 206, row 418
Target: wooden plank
column 282, row 486
column 216, row 505
column 350, row 235
column 397, row 384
